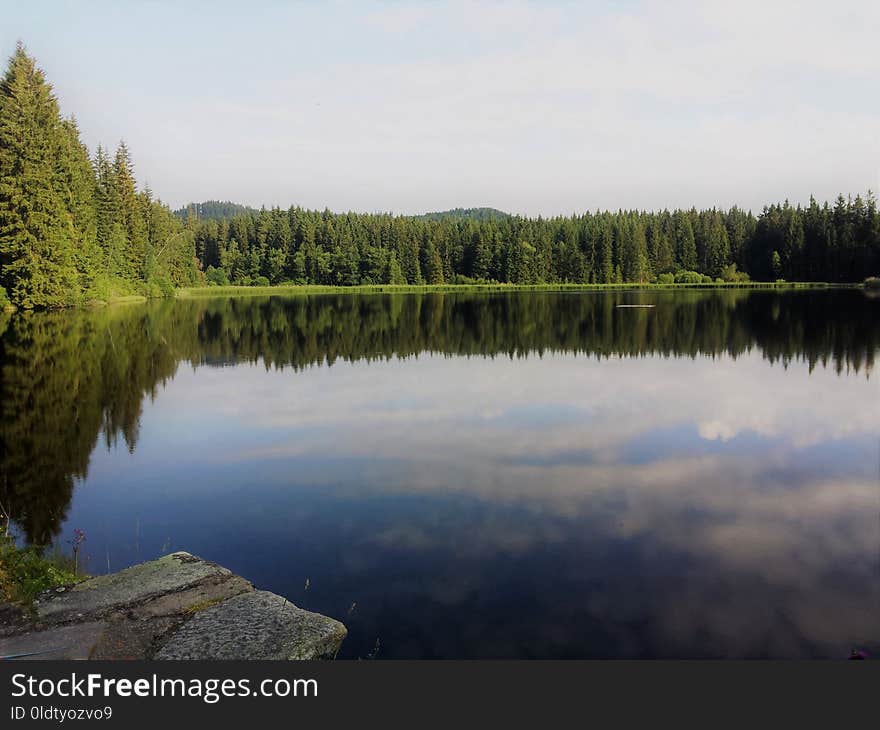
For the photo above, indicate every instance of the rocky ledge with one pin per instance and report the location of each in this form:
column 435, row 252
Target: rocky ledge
column 176, row 607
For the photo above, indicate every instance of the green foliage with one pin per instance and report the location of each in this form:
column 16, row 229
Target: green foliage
column 37, row 265
column 323, row 248
column 157, row 287
column 212, row 210
column 260, row 281
column 71, row 230
column 688, row 277
column 475, row 214
column 394, row 274
column 215, row 276
column 666, row 278
column 25, row 572
column 462, row 280
column 4, row 300
column 729, row 273
column 106, row 288
column 775, row 264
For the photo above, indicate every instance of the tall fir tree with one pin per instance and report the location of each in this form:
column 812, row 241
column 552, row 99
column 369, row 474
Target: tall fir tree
column 130, row 214
column 76, row 183
column 37, row 262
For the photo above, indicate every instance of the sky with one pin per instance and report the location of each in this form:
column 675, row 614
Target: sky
column 535, row 108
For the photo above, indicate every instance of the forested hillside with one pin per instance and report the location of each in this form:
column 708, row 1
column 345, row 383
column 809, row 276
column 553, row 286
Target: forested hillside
column 477, row 214
column 213, row 210
column 76, row 227
column 836, row 243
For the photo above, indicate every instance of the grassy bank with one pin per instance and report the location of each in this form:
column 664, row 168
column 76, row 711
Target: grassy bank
column 225, row 291
column 26, row 571
column 305, row 289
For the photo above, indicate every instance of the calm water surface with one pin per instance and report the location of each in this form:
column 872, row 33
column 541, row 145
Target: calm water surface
column 520, row 475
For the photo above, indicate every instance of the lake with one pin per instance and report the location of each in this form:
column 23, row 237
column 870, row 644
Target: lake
column 517, row 475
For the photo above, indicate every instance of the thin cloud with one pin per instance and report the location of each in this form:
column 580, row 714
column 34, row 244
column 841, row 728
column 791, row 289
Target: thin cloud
column 532, row 107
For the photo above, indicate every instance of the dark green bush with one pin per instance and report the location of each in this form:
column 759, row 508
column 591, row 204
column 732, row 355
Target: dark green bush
column 216, row 276
column 688, row 277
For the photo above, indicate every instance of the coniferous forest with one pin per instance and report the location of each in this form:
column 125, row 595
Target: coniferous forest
column 75, row 227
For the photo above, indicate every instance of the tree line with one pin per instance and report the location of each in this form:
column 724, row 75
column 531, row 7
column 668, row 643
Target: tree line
column 75, row 227
column 834, row 243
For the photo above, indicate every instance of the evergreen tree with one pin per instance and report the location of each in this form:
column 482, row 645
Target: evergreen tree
column 37, row 262
column 635, row 254
column 685, row 244
column 606, row 255
column 110, row 232
column 394, row 274
column 717, row 244
column 76, row 183
column 130, row 214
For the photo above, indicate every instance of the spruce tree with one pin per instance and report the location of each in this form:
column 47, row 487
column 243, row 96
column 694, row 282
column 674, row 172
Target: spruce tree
column 393, row 274
column 76, row 183
column 37, row 264
column 107, row 214
column 717, row 245
column 130, row 214
column 635, row 262
column 685, row 245
column 606, row 255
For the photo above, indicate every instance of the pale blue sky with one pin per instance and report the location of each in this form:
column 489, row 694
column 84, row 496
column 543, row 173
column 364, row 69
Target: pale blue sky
column 530, row 107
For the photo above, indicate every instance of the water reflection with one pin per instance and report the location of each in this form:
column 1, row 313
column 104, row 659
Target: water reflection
column 698, row 479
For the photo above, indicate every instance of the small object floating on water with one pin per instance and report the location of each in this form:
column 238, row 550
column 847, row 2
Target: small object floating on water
column 635, row 306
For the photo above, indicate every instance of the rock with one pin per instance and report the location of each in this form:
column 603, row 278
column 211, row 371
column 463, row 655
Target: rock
column 258, row 625
column 168, row 576
column 186, row 607
column 74, row 641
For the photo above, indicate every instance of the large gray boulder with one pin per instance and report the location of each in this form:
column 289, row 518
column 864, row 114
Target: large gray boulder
column 179, row 580
column 176, row 607
column 258, row 625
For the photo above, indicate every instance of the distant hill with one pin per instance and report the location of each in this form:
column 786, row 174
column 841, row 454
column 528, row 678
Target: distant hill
column 214, row 210
column 477, row 214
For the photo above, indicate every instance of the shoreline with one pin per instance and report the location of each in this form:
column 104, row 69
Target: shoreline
column 203, row 292
column 300, row 289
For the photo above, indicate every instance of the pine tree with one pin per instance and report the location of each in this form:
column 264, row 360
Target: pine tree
column 606, row 255
column 393, row 274
column 130, row 214
column 661, row 255
column 635, row 254
column 433, row 264
column 107, row 215
column 685, row 245
column 76, row 184
column 37, row 264
column 717, row 245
